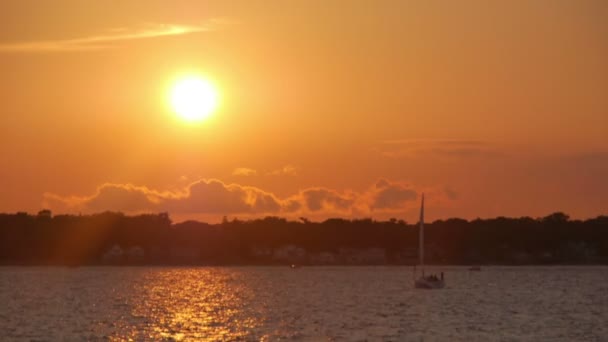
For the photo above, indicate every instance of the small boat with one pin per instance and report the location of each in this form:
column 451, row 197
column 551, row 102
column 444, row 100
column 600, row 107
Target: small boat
column 431, row 281
column 475, row 268
column 295, row 266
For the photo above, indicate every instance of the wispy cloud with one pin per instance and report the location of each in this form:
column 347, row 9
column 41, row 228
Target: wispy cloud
column 110, row 37
column 287, row 170
column 445, row 148
column 244, row 171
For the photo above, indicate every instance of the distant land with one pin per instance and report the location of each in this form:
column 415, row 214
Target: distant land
column 111, row 238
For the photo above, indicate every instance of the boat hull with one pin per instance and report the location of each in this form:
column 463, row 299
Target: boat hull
column 429, row 284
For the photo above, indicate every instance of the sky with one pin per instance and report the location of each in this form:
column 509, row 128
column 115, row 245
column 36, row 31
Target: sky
column 326, row 108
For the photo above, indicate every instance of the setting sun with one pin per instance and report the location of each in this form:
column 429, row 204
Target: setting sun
column 193, row 98
column 271, row 170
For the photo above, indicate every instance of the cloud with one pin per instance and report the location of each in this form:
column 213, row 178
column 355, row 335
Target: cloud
column 317, row 199
column 110, row 37
column 391, row 195
column 113, row 197
column 450, row 193
column 203, row 196
column 214, row 197
column 287, row 170
column 244, row 171
column 292, row 205
column 438, row 148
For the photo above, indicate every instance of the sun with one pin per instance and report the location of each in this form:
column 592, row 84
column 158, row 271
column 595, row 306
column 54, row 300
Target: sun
column 193, row 98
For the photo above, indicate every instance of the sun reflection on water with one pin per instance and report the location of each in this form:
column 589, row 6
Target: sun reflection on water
column 190, row 304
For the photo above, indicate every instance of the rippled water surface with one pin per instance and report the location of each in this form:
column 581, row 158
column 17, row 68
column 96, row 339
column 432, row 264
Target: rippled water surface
column 309, row 304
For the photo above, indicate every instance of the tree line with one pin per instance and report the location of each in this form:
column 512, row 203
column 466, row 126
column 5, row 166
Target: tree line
column 44, row 239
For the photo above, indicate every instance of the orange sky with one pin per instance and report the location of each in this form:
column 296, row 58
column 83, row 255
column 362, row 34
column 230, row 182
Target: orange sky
column 328, row 108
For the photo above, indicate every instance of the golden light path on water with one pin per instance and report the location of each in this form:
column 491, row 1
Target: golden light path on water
column 192, row 304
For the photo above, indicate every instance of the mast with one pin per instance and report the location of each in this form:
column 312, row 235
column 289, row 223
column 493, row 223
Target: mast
column 421, row 236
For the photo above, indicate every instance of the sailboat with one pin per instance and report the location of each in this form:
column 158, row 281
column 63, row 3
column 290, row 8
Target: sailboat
column 430, row 281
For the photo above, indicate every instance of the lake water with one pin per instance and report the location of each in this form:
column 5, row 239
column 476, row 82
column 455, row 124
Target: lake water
column 306, row 304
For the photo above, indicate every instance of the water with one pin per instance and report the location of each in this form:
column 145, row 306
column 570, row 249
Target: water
column 307, row 304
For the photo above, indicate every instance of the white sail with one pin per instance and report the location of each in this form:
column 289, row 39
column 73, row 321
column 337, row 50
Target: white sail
column 421, row 236
column 432, row 281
